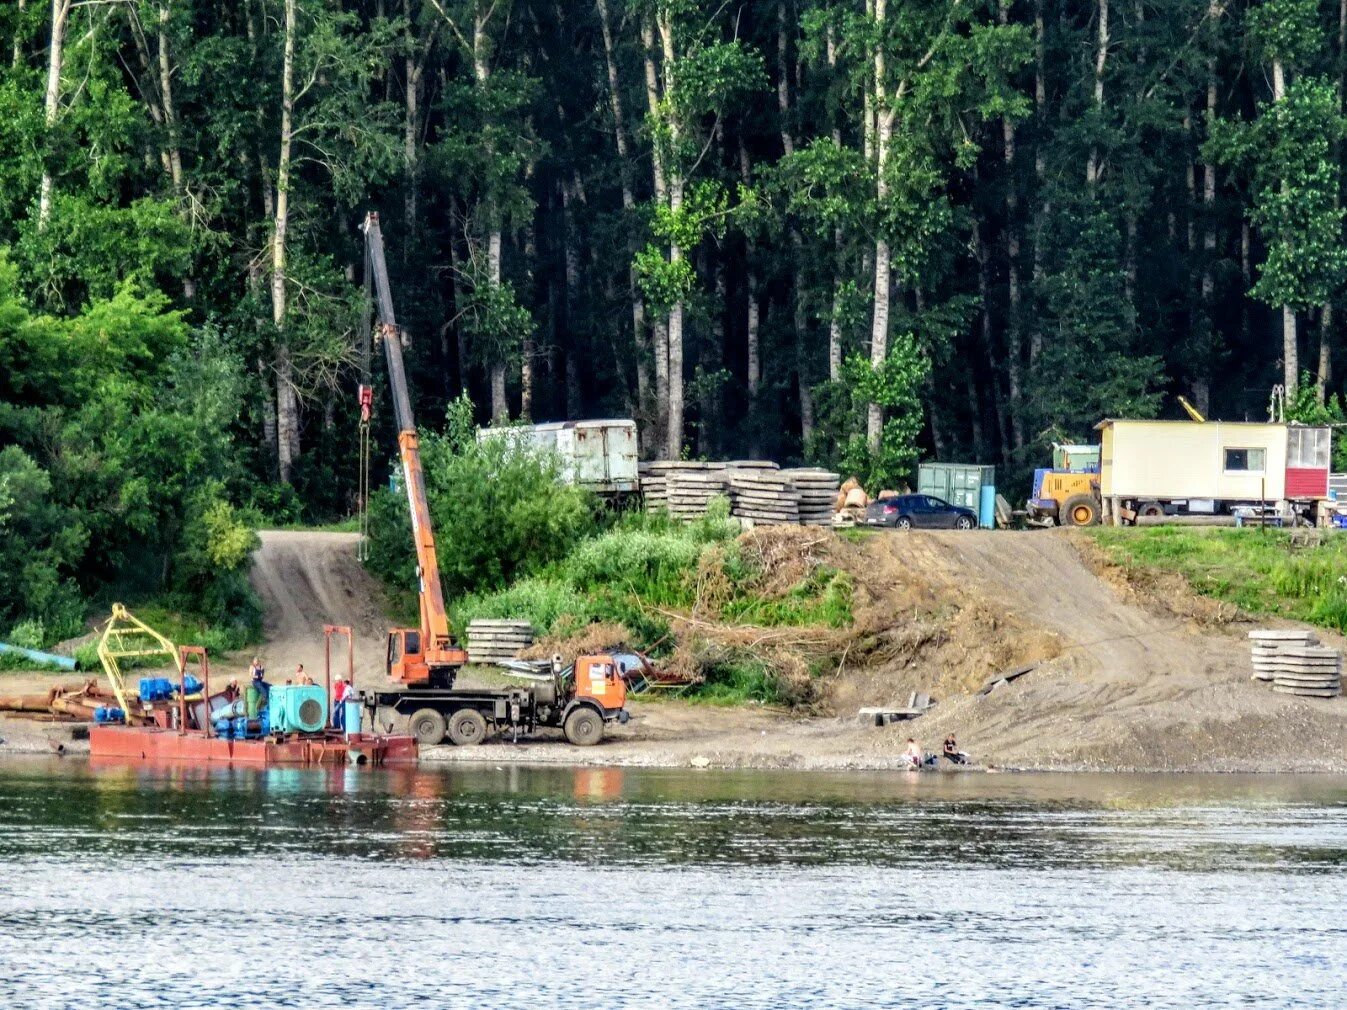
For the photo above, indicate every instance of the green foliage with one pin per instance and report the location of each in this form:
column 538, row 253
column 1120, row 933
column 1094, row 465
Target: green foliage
column 1290, row 152
column 501, row 509
column 839, row 436
column 1260, row 571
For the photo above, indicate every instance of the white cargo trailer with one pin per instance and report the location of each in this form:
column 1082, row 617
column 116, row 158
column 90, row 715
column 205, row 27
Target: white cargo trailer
column 599, row 455
column 1154, row 468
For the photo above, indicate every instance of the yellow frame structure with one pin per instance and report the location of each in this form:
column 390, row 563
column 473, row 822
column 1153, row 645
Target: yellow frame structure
column 126, row 636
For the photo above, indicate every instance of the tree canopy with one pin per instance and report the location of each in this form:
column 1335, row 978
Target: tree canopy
column 853, row 233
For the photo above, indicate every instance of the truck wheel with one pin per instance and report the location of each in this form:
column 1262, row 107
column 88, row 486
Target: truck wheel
column 467, row 727
column 1079, row 510
column 584, row 727
column 427, row 726
column 1150, row 508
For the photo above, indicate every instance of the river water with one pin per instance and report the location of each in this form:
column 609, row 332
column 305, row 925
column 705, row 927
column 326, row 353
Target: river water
column 511, row 887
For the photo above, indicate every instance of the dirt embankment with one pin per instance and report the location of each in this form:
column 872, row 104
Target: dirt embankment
column 1130, row 672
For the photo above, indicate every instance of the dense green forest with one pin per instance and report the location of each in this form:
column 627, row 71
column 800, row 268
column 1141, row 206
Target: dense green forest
column 853, row 233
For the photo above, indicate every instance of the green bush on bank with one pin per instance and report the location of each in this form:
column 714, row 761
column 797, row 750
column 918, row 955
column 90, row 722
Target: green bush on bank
column 1259, row 571
column 501, row 511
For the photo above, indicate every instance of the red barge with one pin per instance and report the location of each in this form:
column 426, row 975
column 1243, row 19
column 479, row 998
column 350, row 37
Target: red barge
column 182, row 730
column 154, row 743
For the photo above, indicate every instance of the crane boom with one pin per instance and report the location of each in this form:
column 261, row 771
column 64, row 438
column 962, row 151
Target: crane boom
column 417, row 661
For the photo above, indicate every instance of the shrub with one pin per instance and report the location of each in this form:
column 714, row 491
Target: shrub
column 501, row 510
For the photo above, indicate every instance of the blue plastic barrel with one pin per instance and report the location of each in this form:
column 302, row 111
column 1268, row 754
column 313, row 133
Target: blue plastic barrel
column 987, row 507
column 353, row 713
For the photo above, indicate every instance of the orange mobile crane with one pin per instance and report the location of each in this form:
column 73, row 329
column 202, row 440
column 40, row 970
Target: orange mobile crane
column 424, row 662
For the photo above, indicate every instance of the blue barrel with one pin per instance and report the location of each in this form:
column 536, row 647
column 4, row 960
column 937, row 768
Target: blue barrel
column 987, row 507
column 353, row 712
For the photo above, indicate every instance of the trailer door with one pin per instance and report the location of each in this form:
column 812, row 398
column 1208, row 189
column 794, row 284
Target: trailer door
column 1307, row 460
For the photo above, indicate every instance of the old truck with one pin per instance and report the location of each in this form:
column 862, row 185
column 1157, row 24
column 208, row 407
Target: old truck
column 599, row 454
column 1155, row 468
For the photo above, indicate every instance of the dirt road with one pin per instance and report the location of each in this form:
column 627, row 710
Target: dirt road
column 307, row 580
column 1130, row 686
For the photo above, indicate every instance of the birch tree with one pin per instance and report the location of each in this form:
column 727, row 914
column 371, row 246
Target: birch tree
column 691, row 76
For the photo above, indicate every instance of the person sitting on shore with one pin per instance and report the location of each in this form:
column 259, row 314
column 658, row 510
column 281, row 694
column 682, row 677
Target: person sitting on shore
column 913, row 756
column 952, row 753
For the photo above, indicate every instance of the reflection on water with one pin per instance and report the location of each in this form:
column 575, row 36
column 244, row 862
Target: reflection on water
column 617, row 887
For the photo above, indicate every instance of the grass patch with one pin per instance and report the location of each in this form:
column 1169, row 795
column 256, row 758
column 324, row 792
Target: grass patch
column 646, row 567
column 1259, row 571
column 189, row 629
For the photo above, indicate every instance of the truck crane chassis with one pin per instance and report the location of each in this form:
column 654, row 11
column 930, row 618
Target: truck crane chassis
column 423, row 663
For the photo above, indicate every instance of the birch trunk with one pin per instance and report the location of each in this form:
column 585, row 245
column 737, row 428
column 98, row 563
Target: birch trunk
column 500, row 407
column 571, row 251
column 174, row 155
column 615, row 106
column 673, row 173
column 17, row 58
column 1100, row 64
column 1014, row 337
column 287, row 403
column 1040, row 168
column 1290, row 349
column 528, row 351
column 660, row 327
column 1324, row 372
column 835, row 312
column 879, row 328
column 411, row 126
column 60, row 15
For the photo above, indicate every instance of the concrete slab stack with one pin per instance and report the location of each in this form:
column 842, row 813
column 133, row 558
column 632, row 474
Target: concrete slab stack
column 491, row 641
column 817, row 490
column 767, row 497
column 1297, row 664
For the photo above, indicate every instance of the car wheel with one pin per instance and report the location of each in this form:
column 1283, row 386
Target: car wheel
column 903, row 523
column 963, row 523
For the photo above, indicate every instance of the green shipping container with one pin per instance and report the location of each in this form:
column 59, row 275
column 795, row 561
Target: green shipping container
column 956, row 483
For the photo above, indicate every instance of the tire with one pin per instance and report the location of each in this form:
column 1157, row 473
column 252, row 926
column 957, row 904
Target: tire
column 1079, row 510
column 427, row 726
column 963, row 523
column 467, row 727
column 902, row 523
column 584, row 727
column 1150, row 508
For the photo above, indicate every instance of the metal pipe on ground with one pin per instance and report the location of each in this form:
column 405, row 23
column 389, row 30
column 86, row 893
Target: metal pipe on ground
column 37, row 656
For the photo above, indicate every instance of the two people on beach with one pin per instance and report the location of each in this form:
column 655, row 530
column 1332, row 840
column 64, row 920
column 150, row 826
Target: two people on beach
column 915, row 758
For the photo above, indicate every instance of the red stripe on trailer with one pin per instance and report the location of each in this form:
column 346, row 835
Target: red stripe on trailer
column 1306, row 482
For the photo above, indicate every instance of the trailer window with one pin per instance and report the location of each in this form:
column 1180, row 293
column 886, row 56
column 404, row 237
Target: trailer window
column 1245, row 460
column 1308, row 447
